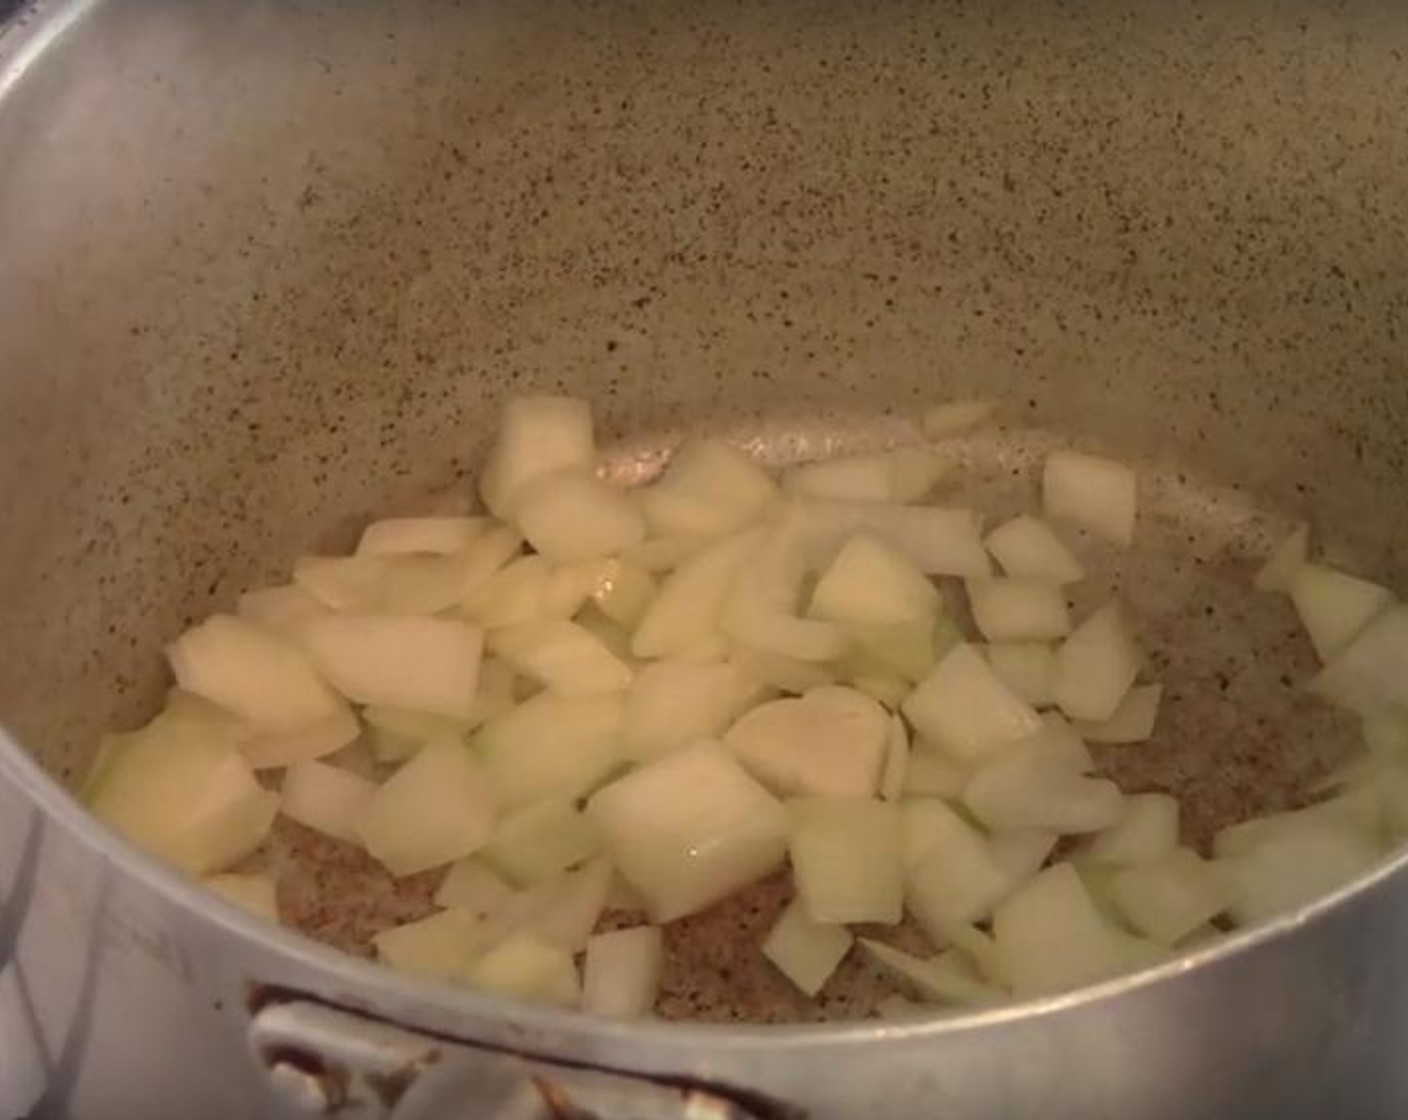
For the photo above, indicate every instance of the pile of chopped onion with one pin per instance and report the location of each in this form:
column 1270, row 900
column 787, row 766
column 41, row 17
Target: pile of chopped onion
column 598, row 699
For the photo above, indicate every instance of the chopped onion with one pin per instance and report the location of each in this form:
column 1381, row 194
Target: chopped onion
column 540, row 841
column 439, row 536
column 1279, row 571
column 831, row 741
column 343, row 583
column 939, row 542
column 327, row 799
column 399, row 732
column 439, row 947
column 1027, row 668
column 1022, row 852
column 270, row 749
column 537, row 435
column 1051, row 937
column 847, row 859
column 896, row 765
column 953, row 875
column 804, row 951
column 435, row 809
column 944, row 420
column 1034, row 789
column 1170, row 896
column 690, row 603
column 571, row 515
column 1094, row 493
column 284, row 610
column 562, row 911
column 1018, row 610
column 1096, row 665
column 471, row 884
column 623, row 592
column 905, row 474
column 892, row 649
column 1147, row 830
column 966, row 710
column 1294, row 868
column 264, row 680
column 401, row 661
column 1132, row 722
column 709, row 489
column 766, row 670
column 690, row 828
column 621, row 972
column 1334, row 606
column 761, row 607
column 552, row 746
column 253, row 892
column 562, row 656
column 870, row 583
column 930, row 773
column 943, row 979
column 189, row 797
column 524, row 967
column 1367, row 675
column 674, row 703
column 1028, row 548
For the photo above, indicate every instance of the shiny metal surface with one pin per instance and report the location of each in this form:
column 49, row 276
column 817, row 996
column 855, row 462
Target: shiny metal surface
column 267, row 267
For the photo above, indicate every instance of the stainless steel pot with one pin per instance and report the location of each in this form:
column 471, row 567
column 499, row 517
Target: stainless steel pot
column 268, row 267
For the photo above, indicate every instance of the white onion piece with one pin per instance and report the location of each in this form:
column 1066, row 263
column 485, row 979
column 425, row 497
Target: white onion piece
column 674, row 703
column 397, row 733
column 571, row 515
column 1295, row 868
column 343, row 583
column 435, row 809
column 1147, row 830
column 764, row 669
column 540, row 841
column 953, row 876
column 847, row 859
column 1096, row 665
column 255, row 893
column 690, row 828
column 1058, row 739
column 929, row 773
column 440, row 536
column 284, row 610
column 690, row 603
column 552, row 746
column 536, row 436
column 1027, row 668
column 471, row 884
column 562, row 656
column 1169, row 897
column 562, row 911
column 400, row 661
column 1132, row 722
column 1385, row 731
column 1022, row 852
column 267, row 750
column 761, row 608
column 804, row 951
column 943, row 979
column 896, row 765
column 1367, row 675
column 439, row 947
column 524, row 967
column 327, row 799
column 514, row 595
column 1280, row 569
column 622, row 592
column 869, row 582
column 954, row 417
column 966, row 710
column 1032, row 789
column 1028, row 548
column 663, row 554
column 893, row 649
column 939, row 542
column 186, row 796
column 905, row 474
column 1051, row 936
column 831, row 740
column 1018, row 610
column 1334, row 606
column 708, row 489
column 1094, row 493
column 262, row 679
column 1356, row 811
column 621, row 972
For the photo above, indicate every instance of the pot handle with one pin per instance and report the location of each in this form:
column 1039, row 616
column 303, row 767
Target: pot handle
column 324, row 1060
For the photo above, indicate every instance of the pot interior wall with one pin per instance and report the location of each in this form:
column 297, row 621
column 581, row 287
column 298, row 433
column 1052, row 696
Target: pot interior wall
column 270, row 267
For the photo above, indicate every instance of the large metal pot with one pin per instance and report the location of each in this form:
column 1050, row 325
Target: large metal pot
column 267, row 267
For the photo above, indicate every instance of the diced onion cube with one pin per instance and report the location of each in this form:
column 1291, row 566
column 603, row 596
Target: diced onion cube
column 847, row 859
column 690, row 603
column 966, row 710
column 524, row 967
column 1018, row 610
column 1094, row 493
column 943, row 420
column 1334, row 606
column 804, row 951
column 269, row 749
column 572, row 515
column 551, row 746
column 540, row 841
column 869, row 582
column 1027, row 668
column 621, row 972
column 1096, row 665
column 1147, row 830
column 439, row 946
column 563, row 656
column 1028, row 548
column 253, row 892
column 1169, row 897
column 471, row 884
column 438, row 536
column 929, row 773
column 536, row 436
column 1367, row 675
column 327, row 799
column 1051, row 937
column 689, row 829
column 708, row 489
column 953, row 875
column 284, row 610
column 674, row 703
column 941, row 979
column 1132, row 722
column 1032, row 789
column 435, row 809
